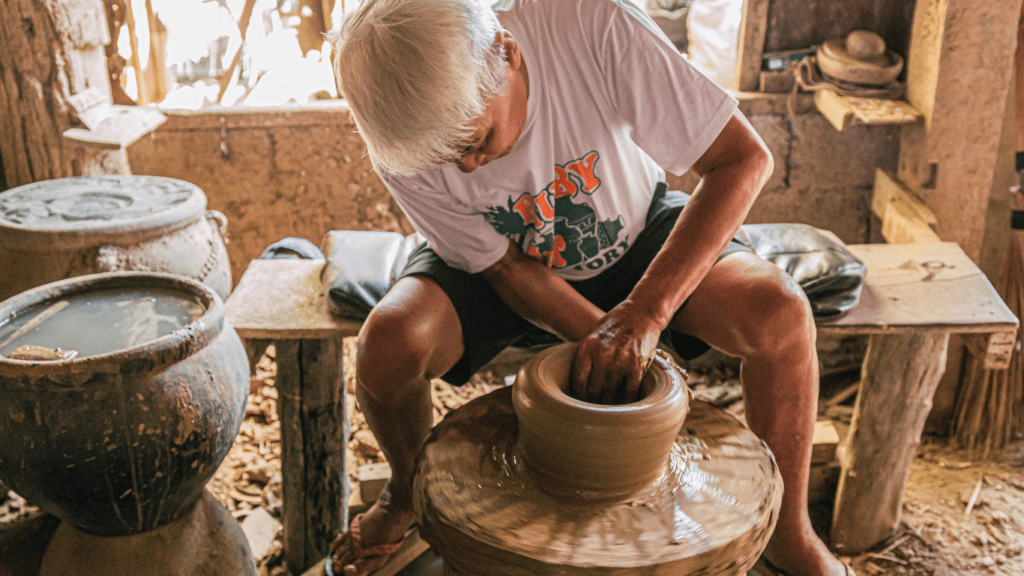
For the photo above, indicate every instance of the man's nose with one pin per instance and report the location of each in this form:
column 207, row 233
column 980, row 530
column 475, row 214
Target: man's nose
column 471, row 162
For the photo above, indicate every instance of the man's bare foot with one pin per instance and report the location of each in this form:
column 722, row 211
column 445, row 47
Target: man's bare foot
column 380, row 525
column 806, row 556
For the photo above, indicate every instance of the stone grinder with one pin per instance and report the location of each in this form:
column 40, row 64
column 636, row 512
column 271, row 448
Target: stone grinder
column 529, row 481
column 119, row 439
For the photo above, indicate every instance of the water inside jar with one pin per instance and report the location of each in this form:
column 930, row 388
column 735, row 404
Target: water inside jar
column 100, row 321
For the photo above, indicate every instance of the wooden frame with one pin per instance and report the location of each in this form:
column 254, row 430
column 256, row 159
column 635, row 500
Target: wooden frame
column 753, row 28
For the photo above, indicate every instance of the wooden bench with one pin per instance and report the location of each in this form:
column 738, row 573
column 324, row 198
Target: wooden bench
column 915, row 295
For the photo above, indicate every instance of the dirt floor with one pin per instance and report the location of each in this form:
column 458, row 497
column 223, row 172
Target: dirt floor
column 961, row 516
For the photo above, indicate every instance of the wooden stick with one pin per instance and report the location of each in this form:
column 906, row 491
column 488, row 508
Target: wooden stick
column 136, row 62
column 844, row 394
column 36, row 321
column 974, row 497
column 243, row 26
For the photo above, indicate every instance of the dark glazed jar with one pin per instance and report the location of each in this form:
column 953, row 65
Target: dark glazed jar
column 123, row 442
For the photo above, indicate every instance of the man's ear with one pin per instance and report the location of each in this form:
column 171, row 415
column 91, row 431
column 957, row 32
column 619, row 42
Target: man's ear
column 512, row 54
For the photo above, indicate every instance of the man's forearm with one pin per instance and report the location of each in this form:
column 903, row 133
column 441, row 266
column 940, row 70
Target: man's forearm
column 536, row 293
column 708, row 222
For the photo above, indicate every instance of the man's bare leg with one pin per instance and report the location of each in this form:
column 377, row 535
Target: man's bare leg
column 411, row 336
column 746, row 307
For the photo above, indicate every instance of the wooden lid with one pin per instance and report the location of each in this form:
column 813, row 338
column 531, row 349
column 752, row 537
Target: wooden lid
column 91, row 210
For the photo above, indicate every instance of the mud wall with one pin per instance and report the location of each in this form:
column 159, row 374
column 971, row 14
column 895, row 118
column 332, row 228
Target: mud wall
column 274, row 173
column 303, row 171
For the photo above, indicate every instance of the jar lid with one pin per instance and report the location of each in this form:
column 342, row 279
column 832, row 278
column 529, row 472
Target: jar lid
column 97, row 209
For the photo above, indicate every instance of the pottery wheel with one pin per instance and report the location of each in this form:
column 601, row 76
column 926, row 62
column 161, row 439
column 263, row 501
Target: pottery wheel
column 710, row 513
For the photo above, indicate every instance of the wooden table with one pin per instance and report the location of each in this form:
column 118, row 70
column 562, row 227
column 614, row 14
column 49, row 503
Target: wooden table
column 914, row 297
column 280, row 301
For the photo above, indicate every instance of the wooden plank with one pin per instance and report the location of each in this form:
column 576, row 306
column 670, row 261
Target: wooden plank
column 411, row 549
column 845, row 111
column 993, row 349
column 283, row 299
column 124, row 125
column 911, row 287
column 824, row 442
column 902, row 224
column 888, row 188
column 753, row 28
column 900, row 375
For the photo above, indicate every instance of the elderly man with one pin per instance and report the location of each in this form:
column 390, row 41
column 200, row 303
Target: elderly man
column 528, row 143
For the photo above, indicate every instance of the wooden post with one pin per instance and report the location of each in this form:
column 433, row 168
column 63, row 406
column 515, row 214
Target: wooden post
column 243, row 25
column 312, row 25
column 314, row 429
column 958, row 73
column 898, row 379
column 753, row 27
column 155, row 74
column 51, row 51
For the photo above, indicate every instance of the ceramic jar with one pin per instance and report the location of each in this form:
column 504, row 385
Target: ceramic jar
column 122, row 443
column 69, row 227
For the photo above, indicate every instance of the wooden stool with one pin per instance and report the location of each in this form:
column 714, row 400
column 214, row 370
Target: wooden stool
column 914, row 297
column 281, row 302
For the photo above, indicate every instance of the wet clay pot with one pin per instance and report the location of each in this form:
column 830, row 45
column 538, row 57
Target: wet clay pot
column 529, row 482
column 593, row 451
column 69, row 227
column 122, row 443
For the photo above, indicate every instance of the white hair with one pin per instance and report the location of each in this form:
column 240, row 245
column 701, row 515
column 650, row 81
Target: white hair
column 417, row 74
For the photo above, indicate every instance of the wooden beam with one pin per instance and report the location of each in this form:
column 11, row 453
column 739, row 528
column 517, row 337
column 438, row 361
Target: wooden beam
column 994, row 349
column 753, row 27
column 314, row 436
column 958, row 73
column 905, row 218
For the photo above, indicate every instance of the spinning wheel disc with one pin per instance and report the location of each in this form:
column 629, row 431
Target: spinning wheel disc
column 711, row 512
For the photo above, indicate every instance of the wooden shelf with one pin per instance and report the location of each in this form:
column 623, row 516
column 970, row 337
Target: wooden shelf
column 846, row 111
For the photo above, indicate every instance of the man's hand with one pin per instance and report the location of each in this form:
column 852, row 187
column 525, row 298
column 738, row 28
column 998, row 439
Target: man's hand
column 612, row 360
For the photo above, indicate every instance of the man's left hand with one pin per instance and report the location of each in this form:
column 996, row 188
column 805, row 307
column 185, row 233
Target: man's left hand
column 612, row 360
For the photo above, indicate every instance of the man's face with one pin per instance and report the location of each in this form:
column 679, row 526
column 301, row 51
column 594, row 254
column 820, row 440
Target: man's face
column 503, row 120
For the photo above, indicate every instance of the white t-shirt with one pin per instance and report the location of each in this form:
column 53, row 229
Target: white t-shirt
column 611, row 105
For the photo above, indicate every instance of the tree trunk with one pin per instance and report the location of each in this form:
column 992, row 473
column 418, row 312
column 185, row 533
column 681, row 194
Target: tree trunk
column 52, row 49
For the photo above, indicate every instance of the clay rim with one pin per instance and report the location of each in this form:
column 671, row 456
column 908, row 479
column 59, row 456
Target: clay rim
column 161, row 352
column 85, row 233
column 540, row 380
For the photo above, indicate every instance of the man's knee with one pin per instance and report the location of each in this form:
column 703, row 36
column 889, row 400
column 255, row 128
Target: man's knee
column 392, row 351
column 776, row 316
column 414, row 333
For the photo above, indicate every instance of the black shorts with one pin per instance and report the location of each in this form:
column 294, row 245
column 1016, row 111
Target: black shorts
column 489, row 325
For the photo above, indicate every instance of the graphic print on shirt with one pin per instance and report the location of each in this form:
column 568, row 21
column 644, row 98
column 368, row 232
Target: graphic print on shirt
column 553, row 228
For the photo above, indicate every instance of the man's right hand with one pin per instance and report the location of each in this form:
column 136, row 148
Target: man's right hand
column 612, row 360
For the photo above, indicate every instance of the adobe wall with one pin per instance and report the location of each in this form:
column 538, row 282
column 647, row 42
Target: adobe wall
column 303, row 171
